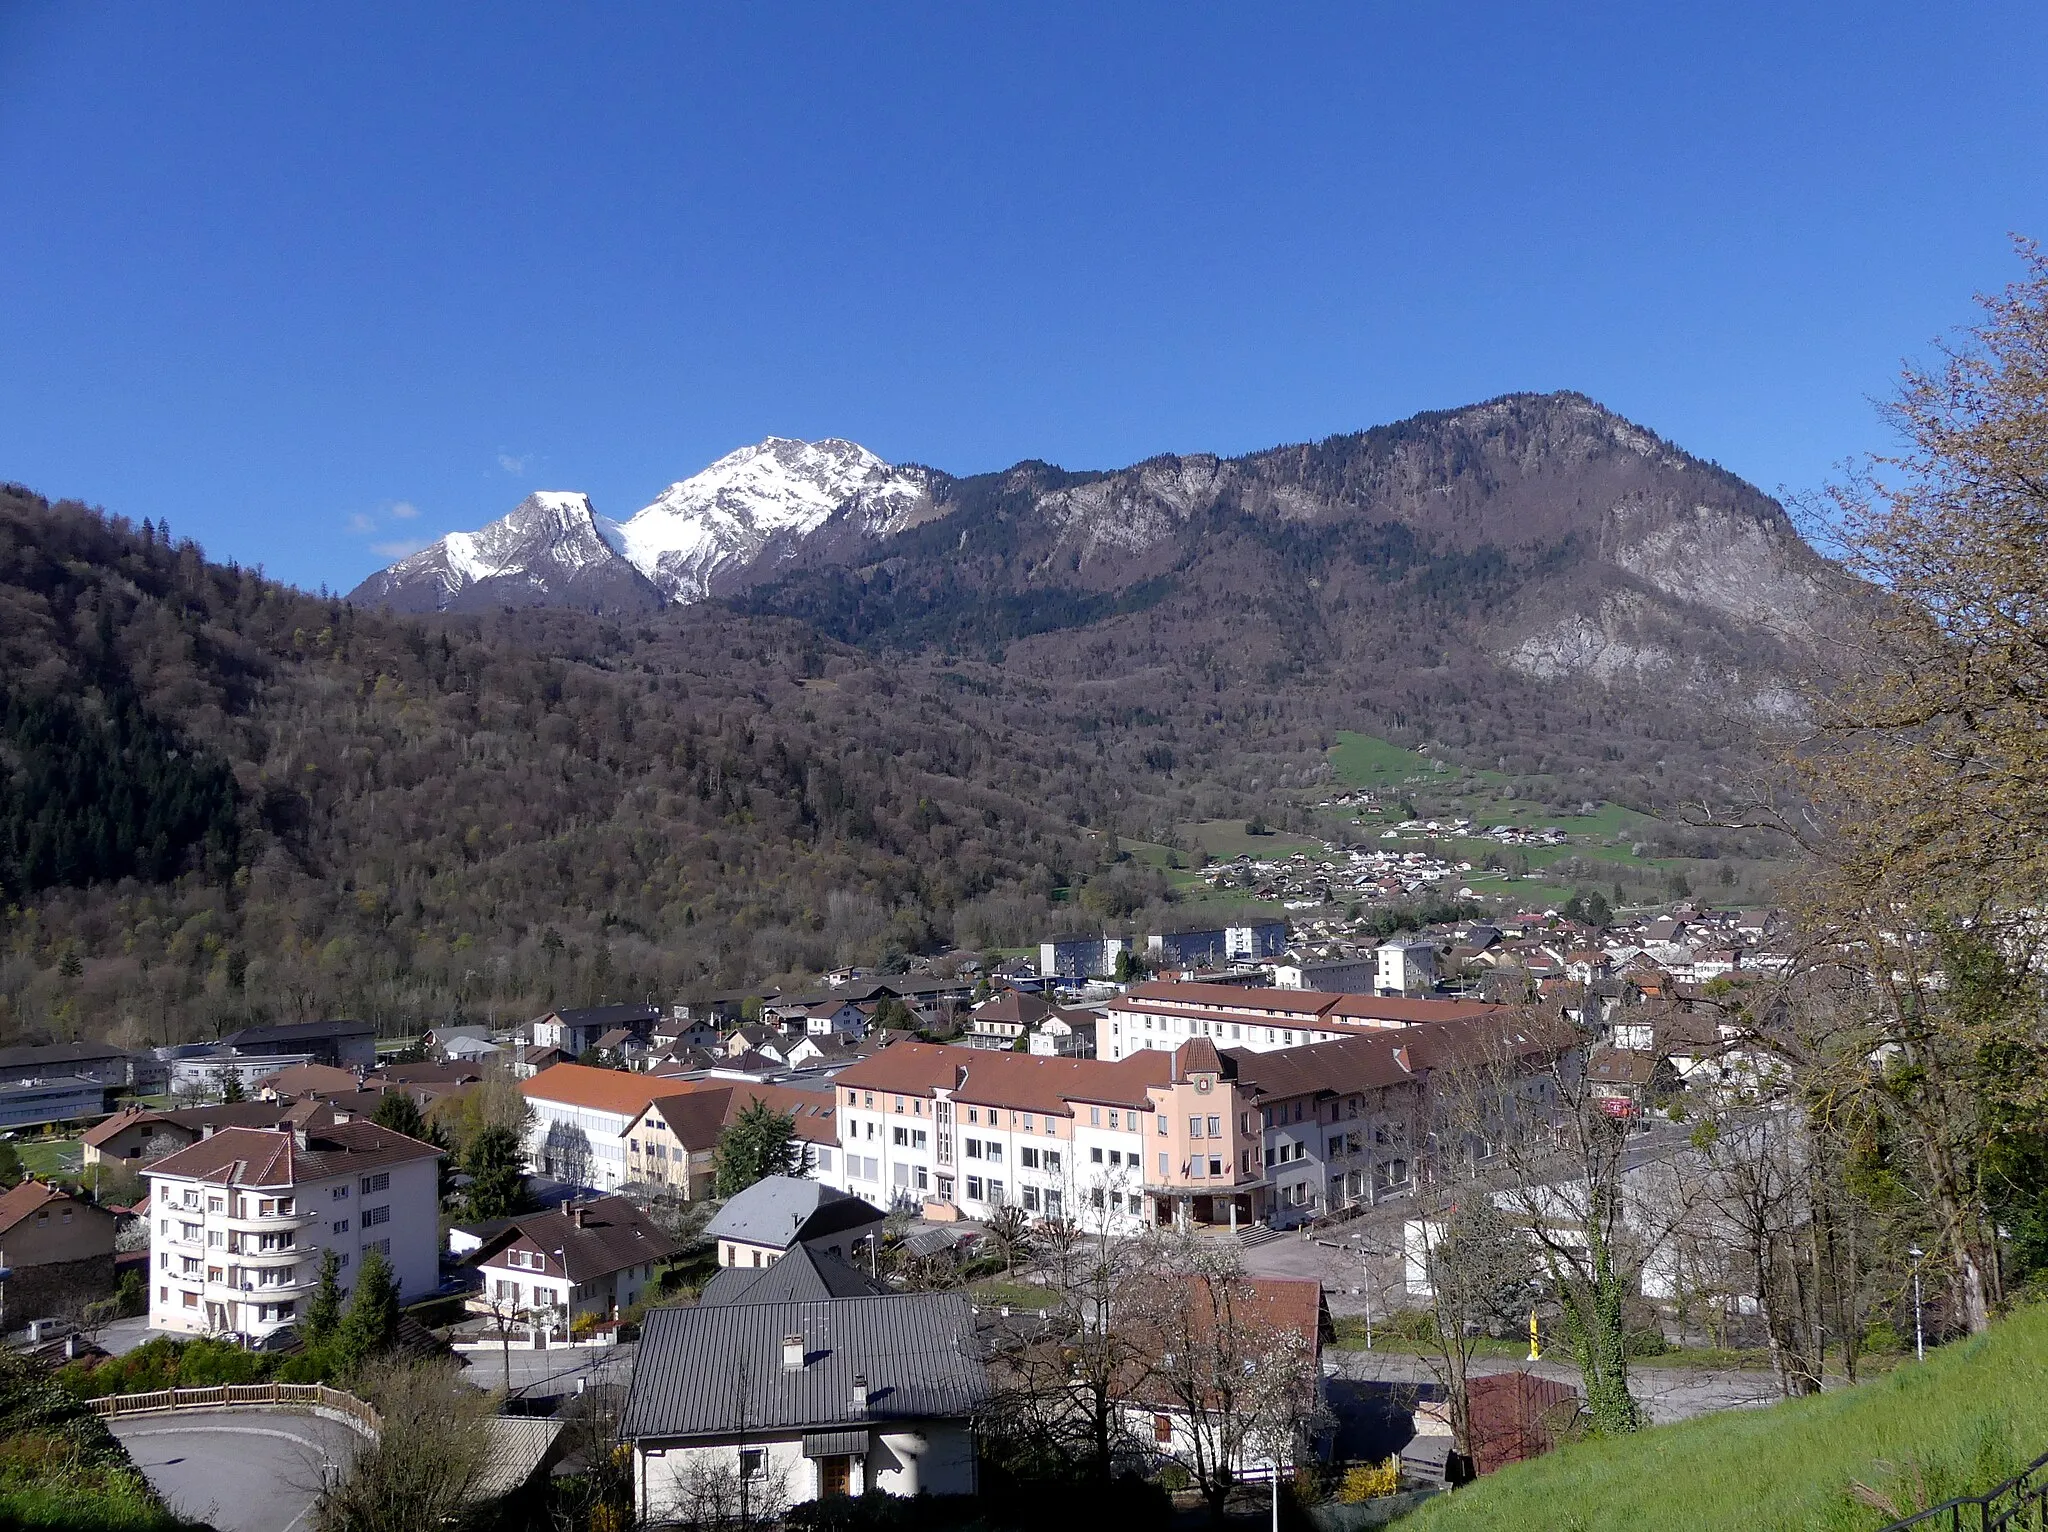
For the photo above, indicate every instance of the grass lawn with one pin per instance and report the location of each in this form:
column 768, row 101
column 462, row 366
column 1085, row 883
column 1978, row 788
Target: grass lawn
column 1224, row 839
column 51, row 1157
column 1364, row 760
column 992, row 1292
column 1975, row 1414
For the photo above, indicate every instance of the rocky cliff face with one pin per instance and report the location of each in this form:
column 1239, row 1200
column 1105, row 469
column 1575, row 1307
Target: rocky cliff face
column 1539, row 536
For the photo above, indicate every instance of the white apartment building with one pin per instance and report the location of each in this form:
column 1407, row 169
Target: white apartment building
column 1164, row 1016
column 578, row 1132
column 240, row 1219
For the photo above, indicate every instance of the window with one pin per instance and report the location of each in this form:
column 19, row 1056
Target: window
column 973, row 1114
column 1162, row 1430
column 1030, row 1199
column 1095, row 1155
column 1052, row 1160
column 374, row 1216
column 188, row 1231
column 1215, row 1165
column 1116, row 1157
column 1215, row 1127
column 1162, row 1125
column 382, row 1246
column 1112, row 1117
column 1095, row 1117
column 216, row 1204
column 1027, row 1122
column 753, row 1463
column 919, row 1139
column 1052, row 1204
column 824, row 1158
column 995, row 1191
column 974, row 1188
column 901, row 1138
column 1162, row 1164
column 1194, row 1127
column 340, row 1226
column 163, row 1295
column 191, row 1266
column 190, row 1300
column 381, row 1181
column 973, row 1148
column 1136, row 1202
column 339, row 1194
column 1028, row 1157
column 994, row 1152
column 217, row 1238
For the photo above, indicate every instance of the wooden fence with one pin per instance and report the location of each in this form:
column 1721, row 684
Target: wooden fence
column 228, row 1396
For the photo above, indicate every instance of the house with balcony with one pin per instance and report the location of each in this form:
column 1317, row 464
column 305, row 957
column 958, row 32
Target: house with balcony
column 592, row 1258
column 239, row 1221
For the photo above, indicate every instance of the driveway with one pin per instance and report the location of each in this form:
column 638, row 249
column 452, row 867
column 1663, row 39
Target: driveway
column 539, row 1373
column 238, row 1470
column 1667, row 1393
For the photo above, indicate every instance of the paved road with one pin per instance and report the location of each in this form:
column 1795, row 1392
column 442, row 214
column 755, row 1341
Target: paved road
column 1668, row 1393
column 238, row 1470
column 549, row 1372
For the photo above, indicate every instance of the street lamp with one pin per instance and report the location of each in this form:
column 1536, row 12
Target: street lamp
column 1919, row 1334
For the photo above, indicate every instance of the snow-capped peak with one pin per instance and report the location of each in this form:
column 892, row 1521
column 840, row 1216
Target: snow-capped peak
column 780, row 487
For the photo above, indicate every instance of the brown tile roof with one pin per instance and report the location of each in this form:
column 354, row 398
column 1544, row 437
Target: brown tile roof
column 310, row 1080
column 272, row 1157
column 1406, row 1012
column 595, row 1238
column 603, row 1090
column 1337, row 1068
column 128, row 1117
column 229, row 1114
column 1020, row 1081
column 20, row 1201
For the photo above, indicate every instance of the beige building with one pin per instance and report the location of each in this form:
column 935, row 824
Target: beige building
column 57, row 1251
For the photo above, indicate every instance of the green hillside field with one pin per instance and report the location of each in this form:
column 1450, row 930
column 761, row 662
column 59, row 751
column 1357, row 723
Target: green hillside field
column 1973, row 1415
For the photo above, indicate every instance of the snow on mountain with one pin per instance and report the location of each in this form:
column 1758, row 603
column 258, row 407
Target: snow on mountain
column 724, row 517
column 554, row 548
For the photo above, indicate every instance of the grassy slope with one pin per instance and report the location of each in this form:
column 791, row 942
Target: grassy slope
column 1975, row 1413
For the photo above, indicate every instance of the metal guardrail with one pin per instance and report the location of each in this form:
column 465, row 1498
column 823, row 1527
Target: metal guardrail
column 312, row 1396
column 2020, row 1504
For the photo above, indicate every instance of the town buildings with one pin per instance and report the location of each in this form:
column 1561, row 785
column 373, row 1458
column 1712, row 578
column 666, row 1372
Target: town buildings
column 671, row 1145
column 239, row 1220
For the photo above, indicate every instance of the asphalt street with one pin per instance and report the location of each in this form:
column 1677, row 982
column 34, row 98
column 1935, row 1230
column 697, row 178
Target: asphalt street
column 238, row 1470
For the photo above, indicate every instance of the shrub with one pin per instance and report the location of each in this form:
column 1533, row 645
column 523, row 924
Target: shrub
column 1369, row 1481
column 1173, row 1478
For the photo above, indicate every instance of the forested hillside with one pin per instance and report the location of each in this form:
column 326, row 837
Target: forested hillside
column 225, row 798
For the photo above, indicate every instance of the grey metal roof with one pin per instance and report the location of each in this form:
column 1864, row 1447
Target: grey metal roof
column 717, row 1370
column 296, row 1032
column 803, row 1275
column 779, row 1210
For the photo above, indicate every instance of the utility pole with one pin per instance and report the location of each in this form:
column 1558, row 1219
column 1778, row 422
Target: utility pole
column 1919, row 1333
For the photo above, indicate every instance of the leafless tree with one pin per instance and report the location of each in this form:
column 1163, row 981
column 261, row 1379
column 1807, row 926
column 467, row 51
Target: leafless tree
column 424, row 1467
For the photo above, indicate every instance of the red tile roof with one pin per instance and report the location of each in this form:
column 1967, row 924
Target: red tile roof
column 272, row 1157
column 603, row 1090
column 1018, row 1081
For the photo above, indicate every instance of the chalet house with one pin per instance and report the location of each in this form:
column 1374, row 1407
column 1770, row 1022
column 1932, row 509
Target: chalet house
column 836, row 1018
column 55, row 1251
column 1001, row 1020
column 586, row 1258
column 794, row 1402
column 765, row 1221
column 671, row 1145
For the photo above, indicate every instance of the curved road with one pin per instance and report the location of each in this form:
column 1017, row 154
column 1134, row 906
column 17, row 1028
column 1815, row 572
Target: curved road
column 249, row 1470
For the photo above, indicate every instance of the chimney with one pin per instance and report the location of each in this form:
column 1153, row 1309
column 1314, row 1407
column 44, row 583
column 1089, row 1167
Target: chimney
column 858, row 1404
column 299, row 1137
column 206, row 1130
column 576, row 1214
column 792, row 1353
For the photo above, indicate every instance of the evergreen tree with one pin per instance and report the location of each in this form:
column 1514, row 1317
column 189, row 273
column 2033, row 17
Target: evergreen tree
column 231, row 1088
column 401, row 1114
column 761, row 1142
column 371, row 1323
column 323, row 1309
column 496, row 1165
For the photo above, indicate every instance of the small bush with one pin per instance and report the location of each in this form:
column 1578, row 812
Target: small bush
column 1647, row 1342
column 1173, row 1478
column 1883, row 1339
column 1369, row 1481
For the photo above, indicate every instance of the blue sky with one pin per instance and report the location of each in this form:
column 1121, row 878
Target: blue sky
column 317, row 283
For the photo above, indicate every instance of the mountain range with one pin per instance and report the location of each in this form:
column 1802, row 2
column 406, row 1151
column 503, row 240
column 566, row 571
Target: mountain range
column 1541, row 537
